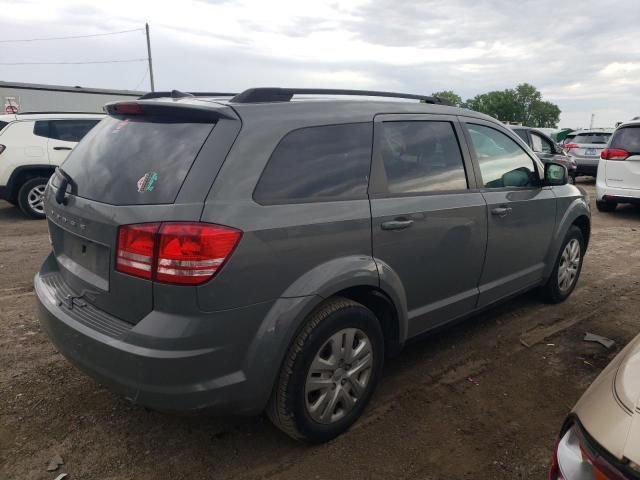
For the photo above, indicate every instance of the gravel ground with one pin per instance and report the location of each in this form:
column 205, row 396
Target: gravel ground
column 472, row 401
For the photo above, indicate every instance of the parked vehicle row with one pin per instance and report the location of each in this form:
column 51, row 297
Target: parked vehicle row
column 32, row 145
column 250, row 253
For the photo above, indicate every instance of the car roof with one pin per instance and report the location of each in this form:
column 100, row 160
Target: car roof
column 594, row 130
column 633, row 122
column 341, row 110
column 49, row 115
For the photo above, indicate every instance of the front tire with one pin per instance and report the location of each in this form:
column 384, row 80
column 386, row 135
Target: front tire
column 568, row 266
column 330, row 372
column 31, row 197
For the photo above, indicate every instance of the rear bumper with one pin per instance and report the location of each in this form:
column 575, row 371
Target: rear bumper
column 586, row 166
column 184, row 371
column 612, row 194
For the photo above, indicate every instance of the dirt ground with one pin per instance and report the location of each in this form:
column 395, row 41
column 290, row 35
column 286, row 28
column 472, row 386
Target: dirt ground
column 470, row 402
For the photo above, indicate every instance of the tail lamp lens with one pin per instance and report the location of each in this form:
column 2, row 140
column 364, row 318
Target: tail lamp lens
column 182, row 253
column 136, row 247
column 569, row 146
column 575, row 460
column 614, row 154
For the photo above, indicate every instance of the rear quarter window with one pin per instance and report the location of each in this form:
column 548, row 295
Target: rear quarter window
column 316, row 164
column 627, row 138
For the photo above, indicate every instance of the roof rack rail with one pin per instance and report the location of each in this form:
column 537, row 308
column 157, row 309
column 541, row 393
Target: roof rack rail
column 179, row 94
column 265, row 95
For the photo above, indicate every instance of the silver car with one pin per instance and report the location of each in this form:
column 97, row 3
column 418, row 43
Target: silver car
column 585, row 149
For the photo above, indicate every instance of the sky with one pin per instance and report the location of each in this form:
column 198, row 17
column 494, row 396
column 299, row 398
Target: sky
column 582, row 55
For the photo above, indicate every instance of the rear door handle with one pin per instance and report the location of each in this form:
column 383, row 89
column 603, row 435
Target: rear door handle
column 396, row 224
column 62, row 148
column 501, row 211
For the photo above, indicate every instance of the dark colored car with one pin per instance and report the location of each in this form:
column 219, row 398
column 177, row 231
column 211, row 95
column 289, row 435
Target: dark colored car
column 545, row 148
column 263, row 252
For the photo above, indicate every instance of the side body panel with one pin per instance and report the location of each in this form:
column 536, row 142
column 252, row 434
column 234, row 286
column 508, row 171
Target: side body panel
column 438, row 258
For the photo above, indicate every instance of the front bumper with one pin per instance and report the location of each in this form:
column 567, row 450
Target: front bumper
column 165, row 362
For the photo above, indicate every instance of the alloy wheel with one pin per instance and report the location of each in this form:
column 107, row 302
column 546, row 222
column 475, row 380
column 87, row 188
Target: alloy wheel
column 339, row 375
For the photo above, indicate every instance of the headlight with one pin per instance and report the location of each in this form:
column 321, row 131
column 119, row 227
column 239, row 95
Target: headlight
column 574, row 459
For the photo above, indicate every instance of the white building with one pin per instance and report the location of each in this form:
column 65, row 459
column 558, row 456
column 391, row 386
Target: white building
column 31, row 97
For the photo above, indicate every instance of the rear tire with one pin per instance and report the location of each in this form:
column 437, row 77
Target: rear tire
column 31, row 197
column 325, row 384
column 566, row 272
column 606, row 206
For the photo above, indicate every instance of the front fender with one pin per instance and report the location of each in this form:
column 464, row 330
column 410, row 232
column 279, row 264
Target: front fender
column 572, row 208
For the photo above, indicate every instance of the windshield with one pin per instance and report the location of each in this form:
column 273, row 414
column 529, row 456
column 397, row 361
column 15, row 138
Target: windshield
column 595, row 137
column 135, row 160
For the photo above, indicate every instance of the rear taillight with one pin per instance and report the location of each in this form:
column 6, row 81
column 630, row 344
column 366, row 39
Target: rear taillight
column 136, row 249
column 575, row 459
column 182, row 253
column 569, row 146
column 614, row 154
column 2, row 148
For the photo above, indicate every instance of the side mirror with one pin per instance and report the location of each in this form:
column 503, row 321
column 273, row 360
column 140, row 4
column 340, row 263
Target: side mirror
column 555, row 174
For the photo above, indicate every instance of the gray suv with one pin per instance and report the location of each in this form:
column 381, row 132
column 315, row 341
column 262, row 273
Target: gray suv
column 268, row 252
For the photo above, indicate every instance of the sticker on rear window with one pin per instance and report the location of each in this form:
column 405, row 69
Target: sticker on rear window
column 147, row 181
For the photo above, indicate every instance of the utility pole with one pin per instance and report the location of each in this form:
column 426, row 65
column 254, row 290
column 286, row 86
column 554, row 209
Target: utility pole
column 146, row 27
column 593, row 116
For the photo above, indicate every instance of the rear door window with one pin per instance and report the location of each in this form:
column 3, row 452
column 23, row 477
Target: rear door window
column 318, row 164
column 135, row 160
column 70, row 130
column 421, row 157
column 627, row 138
column 522, row 134
column 540, row 144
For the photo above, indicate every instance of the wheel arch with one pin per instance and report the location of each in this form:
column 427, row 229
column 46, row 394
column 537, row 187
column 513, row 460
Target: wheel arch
column 24, row 173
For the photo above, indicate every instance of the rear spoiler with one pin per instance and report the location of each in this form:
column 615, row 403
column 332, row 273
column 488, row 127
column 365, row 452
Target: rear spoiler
column 194, row 112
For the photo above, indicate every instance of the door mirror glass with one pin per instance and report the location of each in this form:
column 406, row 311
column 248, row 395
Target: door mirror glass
column 555, row 174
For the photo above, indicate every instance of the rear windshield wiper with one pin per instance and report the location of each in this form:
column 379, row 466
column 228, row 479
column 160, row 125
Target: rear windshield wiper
column 62, row 188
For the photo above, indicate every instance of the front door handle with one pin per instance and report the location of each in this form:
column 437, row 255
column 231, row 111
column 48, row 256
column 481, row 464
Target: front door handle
column 396, row 224
column 502, row 211
column 62, row 148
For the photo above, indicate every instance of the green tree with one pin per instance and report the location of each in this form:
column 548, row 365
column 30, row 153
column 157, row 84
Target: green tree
column 449, row 95
column 522, row 104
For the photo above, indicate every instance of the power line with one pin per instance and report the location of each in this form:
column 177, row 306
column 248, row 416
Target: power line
column 146, row 71
column 75, row 63
column 70, row 37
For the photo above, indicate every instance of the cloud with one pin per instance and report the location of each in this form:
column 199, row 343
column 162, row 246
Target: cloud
column 579, row 53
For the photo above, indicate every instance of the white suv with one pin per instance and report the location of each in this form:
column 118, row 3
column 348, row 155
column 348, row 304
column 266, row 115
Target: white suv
column 618, row 179
column 32, row 145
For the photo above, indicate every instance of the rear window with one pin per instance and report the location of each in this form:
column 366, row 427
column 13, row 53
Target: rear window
column 627, row 138
column 593, row 138
column 318, row 164
column 136, row 160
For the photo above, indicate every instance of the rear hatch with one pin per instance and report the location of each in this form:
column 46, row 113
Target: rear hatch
column 623, row 167
column 588, row 145
column 145, row 162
